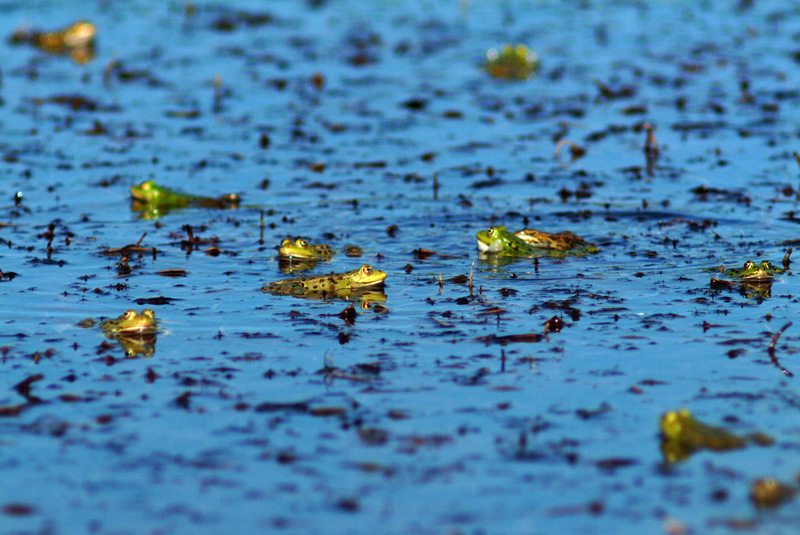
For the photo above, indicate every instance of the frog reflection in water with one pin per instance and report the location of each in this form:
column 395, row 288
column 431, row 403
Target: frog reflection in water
column 356, row 283
column 76, row 40
column 136, row 345
column 529, row 243
column 683, row 435
column 149, row 196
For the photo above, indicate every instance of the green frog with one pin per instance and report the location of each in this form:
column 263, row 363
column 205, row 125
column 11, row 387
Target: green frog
column 333, row 285
column 528, row 243
column 149, row 195
column 751, row 271
column 562, row 241
column 511, row 62
column 130, row 323
column 77, row 40
column 683, row 434
column 300, row 249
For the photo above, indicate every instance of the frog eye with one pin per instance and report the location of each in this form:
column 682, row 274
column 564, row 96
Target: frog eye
column 491, row 231
column 749, row 264
column 366, row 269
column 286, row 242
column 130, row 314
column 148, row 312
column 302, row 243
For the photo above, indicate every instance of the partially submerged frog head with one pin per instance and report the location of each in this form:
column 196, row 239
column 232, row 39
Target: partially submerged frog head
column 148, row 192
column 511, row 62
column 365, row 276
column 498, row 240
column 300, row 248
column 751, row 271
column 132, row 323
column 79, row 34
column 672, row 422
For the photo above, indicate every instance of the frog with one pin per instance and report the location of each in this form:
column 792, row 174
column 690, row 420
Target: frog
column 301, row 249
column 528, row 243
column 683, row 434
column 148, row 196
column 562, row 241
column 754, row 272
column 511, row 62
column 130, row 323
column 769, row 492
column 332, row 285
column 498, row 240
column 77, row 40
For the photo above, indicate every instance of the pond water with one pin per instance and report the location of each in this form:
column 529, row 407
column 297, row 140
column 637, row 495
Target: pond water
column 443, row 408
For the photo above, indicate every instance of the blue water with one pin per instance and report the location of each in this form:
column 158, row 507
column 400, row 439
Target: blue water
column 414, row 424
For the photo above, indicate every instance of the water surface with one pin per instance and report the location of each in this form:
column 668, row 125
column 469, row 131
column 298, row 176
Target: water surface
column 272, row 413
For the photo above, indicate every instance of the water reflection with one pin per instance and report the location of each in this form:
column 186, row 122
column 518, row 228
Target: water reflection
column 136, row 345
column 296, row 265
column 761, row 289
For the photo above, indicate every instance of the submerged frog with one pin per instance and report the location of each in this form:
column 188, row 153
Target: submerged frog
column 511, row 62
column 130, row 323
column 301, row 249
column 751, row 271
column 150, row 195
column 769, row 492
column 530, row 242
column 339, row 285
column 683, row 434
column 77, row 40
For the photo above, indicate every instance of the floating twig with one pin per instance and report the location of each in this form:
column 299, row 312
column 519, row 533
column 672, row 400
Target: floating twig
column 122, row 266
column 650, row 144
column 217, row 93
column 574, row 150
column 131, row 248
column 786, row 261
column 109, row 70
column 470, row 278
column 771, row 350
column 441, row 284
column 261, row 236
column 775, row 338
column 650, row 148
